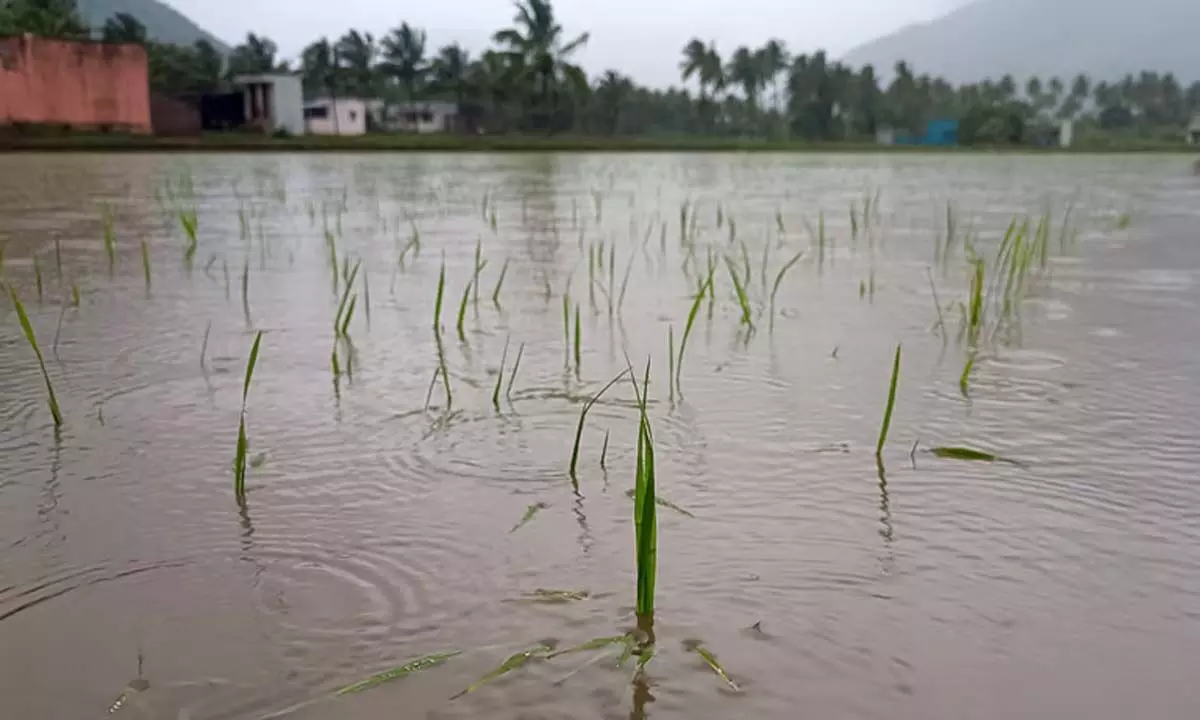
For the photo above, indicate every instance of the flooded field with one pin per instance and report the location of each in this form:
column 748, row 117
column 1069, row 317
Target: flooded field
column 1024, row 544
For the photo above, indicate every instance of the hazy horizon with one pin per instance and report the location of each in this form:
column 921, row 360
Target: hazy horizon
column 640, row 41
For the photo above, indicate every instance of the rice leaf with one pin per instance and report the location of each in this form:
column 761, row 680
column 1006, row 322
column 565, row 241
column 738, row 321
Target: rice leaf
column 500, row 377
column 687, row 329
column 499, row 284
column 965, row 378
column 779, row 281
column 583, row 418
column 594, row 644
column 512, row 378
column 530, row 511
column 891, row 405
column 422, row 663
column 963, row 453
column 711, row 660
column 514, row 662
column 27, row 328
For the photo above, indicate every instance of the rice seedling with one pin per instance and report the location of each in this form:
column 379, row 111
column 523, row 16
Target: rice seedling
column 344, row 330
column 1124, row 220
column 338, row 325
column 204, row 344
column 711, row 660
column 604, row 453
column 612, row 278
column 512, row 378
column 246, row 289
column 530, row 512
column 965, row 378
column 441, row 352
column 740, row 294
column 37, row 274
column 853, row 221
column 27, row 328
column 500, row 376
column 687, row 329
column 779, row 222
column 567, row 330
column 779, row 281
column 462, row 310
column 478, row 269
column 583, row 418
column 891, row 405
column 645, row 505
column 500, row 283
column 243, row 445
column 514, row 662
column 75, row 295
column 367, row 297
column 57, row 330
column 146, row 263
column 189, row 221
column 976, row 307
column 578, row 333
column 625, row 282
column 437, row 304
column 937, row 305
column 412, row 666
column 110, row 236
column 671, row 362
column 594, row 644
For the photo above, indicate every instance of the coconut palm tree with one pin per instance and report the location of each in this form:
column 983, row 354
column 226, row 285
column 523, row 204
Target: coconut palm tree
column 540, row 54
column 775, row 60
column 746, row 69
column 256, row 55
column 356, row 54
column 613, row 92
column 124, row 28
column 319, row 67
column 404, row 58
column 449, row 71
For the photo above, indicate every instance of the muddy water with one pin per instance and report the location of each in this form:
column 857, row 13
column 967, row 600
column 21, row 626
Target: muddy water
column 378, row 529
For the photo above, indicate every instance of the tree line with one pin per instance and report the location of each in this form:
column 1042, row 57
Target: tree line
column 527, row 81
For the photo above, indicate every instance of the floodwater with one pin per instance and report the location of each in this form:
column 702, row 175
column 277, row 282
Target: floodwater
column 379, row 528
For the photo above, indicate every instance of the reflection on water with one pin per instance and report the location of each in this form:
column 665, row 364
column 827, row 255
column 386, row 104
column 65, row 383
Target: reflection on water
column 379, row 525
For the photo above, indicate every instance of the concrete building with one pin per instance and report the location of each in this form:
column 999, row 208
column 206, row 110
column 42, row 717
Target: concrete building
column 83, row 85
column 434, row 116
column 272, row 103
column 336, row 116
column 1193, row 131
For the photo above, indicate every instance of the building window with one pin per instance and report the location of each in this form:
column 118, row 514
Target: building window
column 319, row 112
column 353, row 115
column 426, row 117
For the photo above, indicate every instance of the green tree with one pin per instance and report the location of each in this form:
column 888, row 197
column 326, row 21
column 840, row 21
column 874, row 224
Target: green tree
column 124, row 28
column 746, row 69
column 404, row 58
column 45, row 18
column 450, row 71
column 356, row 54
column 613, row 94
column 320, row 69
column 256, row 55
column 540, row 57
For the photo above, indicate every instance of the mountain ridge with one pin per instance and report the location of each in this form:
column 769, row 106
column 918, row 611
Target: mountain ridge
column 164, row 23
column 1106, row 39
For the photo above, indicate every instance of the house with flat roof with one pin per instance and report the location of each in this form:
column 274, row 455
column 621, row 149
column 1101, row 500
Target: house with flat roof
column 336, row 116
column 272, row 102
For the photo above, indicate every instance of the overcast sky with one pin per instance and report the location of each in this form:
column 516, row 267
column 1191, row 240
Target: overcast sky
column 640, row 37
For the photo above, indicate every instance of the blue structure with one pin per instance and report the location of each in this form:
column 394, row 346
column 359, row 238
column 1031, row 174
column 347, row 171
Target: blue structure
column 938, row 133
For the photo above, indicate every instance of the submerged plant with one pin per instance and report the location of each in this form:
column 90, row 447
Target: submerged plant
column 500, row 283
column 711, row 660
column 243, row 444
column 514, row 661
column 530, row 512
column 189, row 221
column 779, row 281
column 146, row 263
column 500, row 377
column 422, row 663
column 583, row 418
column 687, row 329
column 27, row 328
column 645, row 505
column 512, row 378
column 740, row 294
column 891, row 405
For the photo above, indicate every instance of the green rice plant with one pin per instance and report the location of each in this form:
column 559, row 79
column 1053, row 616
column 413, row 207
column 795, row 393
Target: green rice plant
column 891, row 405
column 437, row 304
column 583, row 419
column 745, row 265
column 530, row 512
column 594, row 644
column 416, row 239
column 344, row 330
column 500, row 283
column 75, row 295
column 975, row 315
column 612, row 278
column 462, row 310
column 110, row 236
column 965, row 378
column 604, row 453
column 478, row 269
column 341, row 311
column 366, row 297
column 204, row 344
column 687, row 329
column 711, row 661
column 779, row 281
column 146, row 262
column 189, row 221
column 412, row 666
column 37, row 274
column 671, row 362
column 937, row 305
column 246, row 289
column 645, row 505
column 333, row 258
column 732, row 228
column 27, row 328
column 779, row 222
column 578, row 334
column 512, row 378
column 740, row 294
column 441, row 351
column 566, row 330
column 625, row 281
column 514, row 662
column 243, row 444
column 500, row 376
column 336, row 366
column 62, row 313
column 766, row 259
column 853, row 221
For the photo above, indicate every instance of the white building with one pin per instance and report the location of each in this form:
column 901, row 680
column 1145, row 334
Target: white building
column 434, row 116
column 336, row 116
column 274, row 103
column 1193, row 131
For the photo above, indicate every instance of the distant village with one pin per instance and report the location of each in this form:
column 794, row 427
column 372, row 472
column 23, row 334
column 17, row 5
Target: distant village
column 58, row 75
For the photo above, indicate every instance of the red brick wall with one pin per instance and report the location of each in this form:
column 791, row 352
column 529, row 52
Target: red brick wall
column 84, row 85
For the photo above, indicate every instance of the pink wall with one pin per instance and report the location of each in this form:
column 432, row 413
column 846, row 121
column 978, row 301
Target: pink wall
column 88, row 85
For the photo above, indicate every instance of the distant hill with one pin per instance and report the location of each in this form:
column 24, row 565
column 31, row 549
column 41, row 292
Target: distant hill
column 988, row 38
column 164, row 23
